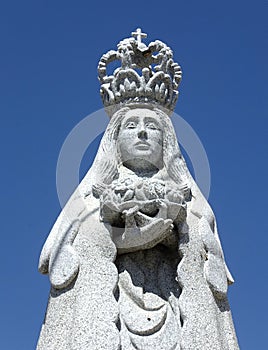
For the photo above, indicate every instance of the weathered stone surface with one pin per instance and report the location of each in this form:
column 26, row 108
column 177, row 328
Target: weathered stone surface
column 134, row 259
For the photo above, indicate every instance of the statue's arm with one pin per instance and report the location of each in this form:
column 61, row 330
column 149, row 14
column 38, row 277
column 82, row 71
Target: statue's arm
column 216, row 271
column 66, row 223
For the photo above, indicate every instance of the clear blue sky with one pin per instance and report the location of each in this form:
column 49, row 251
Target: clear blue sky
column 49, row 53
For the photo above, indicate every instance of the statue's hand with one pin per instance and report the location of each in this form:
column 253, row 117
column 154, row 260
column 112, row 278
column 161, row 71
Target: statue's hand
column 145, row 237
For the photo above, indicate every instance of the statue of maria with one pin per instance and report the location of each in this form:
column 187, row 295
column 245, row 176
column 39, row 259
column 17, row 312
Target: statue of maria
column 134, row 258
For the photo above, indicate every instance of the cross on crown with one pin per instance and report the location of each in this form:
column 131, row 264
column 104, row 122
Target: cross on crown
column 139, row 35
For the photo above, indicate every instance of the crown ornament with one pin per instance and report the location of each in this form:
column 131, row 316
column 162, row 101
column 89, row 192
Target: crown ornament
column 147, row 75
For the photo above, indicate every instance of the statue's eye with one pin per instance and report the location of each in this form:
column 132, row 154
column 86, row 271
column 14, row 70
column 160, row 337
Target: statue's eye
column 151, row 125
column 131, row 125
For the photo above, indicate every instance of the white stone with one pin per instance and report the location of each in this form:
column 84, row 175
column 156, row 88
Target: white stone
column 134, row 259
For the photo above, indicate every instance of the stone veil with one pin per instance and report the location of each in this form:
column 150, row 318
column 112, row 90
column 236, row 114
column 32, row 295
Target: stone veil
column 134, row 258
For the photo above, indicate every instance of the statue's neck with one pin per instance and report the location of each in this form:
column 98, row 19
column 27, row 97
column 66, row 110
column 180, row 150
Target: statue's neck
column 142, row 173
column 142, row 168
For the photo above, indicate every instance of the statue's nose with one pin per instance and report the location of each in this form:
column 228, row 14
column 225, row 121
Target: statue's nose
column 142, row 134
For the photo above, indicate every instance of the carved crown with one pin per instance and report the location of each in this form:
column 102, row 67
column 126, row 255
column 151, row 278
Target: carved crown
column 147, row 74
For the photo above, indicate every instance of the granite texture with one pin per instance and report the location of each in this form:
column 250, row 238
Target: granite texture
column 134, row 259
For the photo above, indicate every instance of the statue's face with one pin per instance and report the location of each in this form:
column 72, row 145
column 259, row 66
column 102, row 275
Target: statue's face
column 140, row 140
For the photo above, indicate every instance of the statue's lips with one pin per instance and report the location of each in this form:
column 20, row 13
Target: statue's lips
column 142, row 145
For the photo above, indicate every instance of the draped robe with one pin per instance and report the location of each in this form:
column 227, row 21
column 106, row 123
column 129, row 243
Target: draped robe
column 169, row 296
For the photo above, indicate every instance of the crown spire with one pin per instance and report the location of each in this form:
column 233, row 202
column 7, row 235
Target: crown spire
column 156, row 85
column 139, row 35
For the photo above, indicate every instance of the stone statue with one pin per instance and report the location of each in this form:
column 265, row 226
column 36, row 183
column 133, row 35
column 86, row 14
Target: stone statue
column 134, row 259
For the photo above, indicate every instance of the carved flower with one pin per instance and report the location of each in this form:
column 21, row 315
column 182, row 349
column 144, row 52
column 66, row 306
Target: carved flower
column 154, row 189
column 123, row 189
column 175, row 195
